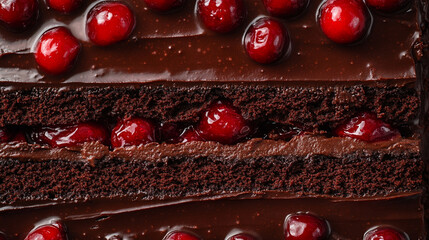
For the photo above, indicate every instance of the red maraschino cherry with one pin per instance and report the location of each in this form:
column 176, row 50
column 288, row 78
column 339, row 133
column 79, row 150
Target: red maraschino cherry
column 387, row 5
column 132, row 132
column 221, row 15
column 345, row 21
column 109, row 22
column 18, row 15
column 179, row 235
column 286, row 8
column 64, row 6
column 306, row 226
column 385, row 233
column 266, row 41
column 47, row 232
column 57, row 50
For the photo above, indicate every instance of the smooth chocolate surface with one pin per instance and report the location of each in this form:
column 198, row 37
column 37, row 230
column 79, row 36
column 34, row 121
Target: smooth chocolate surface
column 214, row 217
column 176, row 48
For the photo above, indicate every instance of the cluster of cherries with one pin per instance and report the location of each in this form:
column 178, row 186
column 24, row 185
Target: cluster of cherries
column 266, row 39
column 220, row 122
column 297, row 226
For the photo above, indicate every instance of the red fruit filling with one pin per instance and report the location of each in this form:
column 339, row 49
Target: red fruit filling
column 367, row 127
column 132, row 132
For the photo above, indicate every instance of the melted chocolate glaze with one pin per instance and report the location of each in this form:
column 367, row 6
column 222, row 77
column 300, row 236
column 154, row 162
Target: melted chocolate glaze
column 214, row 217
column 176, row 48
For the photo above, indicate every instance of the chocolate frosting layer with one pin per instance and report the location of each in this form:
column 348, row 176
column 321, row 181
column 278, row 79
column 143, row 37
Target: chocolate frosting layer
column 177, row 48
column 301, row 145
column 215, row 217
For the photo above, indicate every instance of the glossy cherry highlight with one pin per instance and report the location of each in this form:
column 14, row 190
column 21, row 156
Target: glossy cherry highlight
column 385, row 233
column 286, row 8
column 367, row 127
column 266, row 40
column 221, row 15
column 164, row 5
column 57, row 50
column 18, row 14
column 70, row 135
column 109, row 22
column 46, row 232
column 306, row 226
column 345, row 21
column 223, row 123
column 132, row 132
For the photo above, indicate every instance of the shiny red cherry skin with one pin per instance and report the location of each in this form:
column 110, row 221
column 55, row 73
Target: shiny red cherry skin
column 57, row 51
column 190, row 135
column 345, row 21
column 109, row 22
column 242, row 236
column 132, row 132
column 385, row 233
column 367, row 127
column 306, row 226
column 286, row 8
column 179, row 235
column 70, row 135
column 46, row 232
column 164, row 5
column 18, row 15
column 387, row 6
column 266, row 40
column 223, row 123
column 64, row 6
column 221, row 16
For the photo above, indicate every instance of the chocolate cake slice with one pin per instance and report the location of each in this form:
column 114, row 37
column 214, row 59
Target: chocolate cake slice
column 206, row 119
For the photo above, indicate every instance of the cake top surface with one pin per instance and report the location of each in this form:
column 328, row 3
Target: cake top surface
column 177, row 47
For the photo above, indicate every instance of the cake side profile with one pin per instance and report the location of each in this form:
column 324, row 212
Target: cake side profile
column 213, row 120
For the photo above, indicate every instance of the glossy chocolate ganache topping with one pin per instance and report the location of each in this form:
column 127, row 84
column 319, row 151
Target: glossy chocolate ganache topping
column 180, row 45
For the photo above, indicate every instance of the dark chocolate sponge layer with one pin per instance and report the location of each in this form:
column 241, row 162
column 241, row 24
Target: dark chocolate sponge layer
column 312, row 107
column 358, row 174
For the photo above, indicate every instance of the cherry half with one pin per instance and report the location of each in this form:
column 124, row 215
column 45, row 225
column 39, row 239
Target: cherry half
column 70, row 135
column 367, row 127
column 306, row 226
column 109, row 22
column 57, row 50
column 18, row 15
column 266, row 40
column 345, row 21
column 221, row 15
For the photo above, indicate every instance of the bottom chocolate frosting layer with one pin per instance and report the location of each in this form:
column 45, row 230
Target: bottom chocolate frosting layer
column 214, row 217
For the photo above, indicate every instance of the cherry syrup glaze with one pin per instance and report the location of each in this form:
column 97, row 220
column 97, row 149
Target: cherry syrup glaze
column 223, row 123
column 345, row 21
column 109, row 22
column 306, row 226
column 178, row 235
column 242, row 236
column 164, row 5
column 64, row 6
column 286, row 8
column 221, row 15
column 18, row 15
column 132, row 132
column 190, row 135
column 367, row 127
column 57, row 50
column 47, row 232
column 387, row 5
column 71, row 135
column 266, row 40
column 385, row 233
